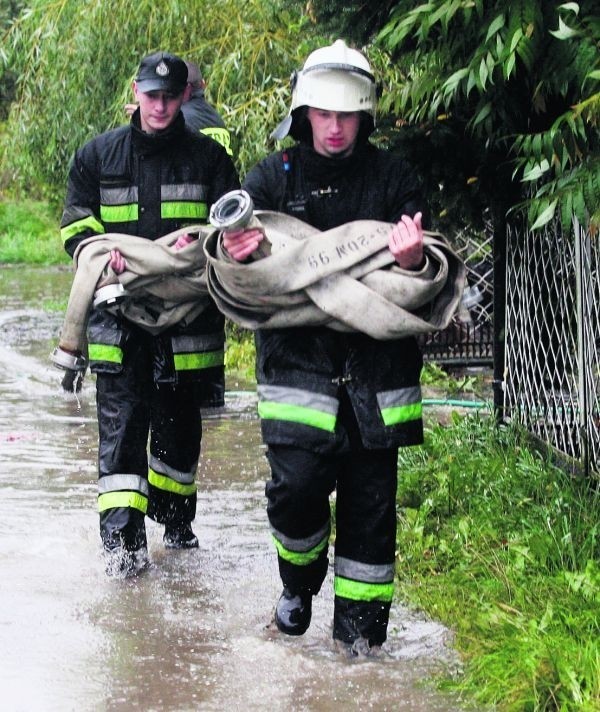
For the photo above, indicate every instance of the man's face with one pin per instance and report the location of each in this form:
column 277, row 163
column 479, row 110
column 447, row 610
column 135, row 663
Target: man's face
column 158, row 109
column 334, row 132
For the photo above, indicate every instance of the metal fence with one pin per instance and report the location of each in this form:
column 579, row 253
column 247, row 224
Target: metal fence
column 468, row 340
column 552, row 338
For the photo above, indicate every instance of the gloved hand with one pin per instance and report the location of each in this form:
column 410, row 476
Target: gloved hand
column 72, row 381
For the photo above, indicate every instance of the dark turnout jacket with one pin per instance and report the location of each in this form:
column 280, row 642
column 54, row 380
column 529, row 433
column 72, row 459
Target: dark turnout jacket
column 126, row 181
column 300, row 371
column 149, row 185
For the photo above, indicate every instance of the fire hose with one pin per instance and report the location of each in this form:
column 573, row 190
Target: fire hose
column 160, row 287
column 345, row 278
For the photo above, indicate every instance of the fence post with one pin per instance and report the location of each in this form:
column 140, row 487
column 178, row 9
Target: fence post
column 582, row 260
column 499, row 315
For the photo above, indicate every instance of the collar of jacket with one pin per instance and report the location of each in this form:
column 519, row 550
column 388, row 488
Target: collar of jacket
column 324, row 168
column 153, row 143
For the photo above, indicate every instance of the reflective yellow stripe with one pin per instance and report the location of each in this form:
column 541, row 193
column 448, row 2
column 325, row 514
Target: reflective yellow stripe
column 166, row 484
column 112, row 500
column 190, row 362
column 105, row 352
column 300, row 558
column 358, row 591
column 119, row 213
column 79, row 226
column 402, row 413
column 220, row 135
column 183, row 210
column 270, row 410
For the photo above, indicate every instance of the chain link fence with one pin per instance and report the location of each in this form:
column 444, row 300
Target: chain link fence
column 552, row 335
column 468, row 341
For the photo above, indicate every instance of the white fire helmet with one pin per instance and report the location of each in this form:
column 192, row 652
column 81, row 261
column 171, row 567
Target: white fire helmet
column 334, row 78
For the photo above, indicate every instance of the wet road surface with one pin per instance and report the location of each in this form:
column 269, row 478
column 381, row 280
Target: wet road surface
column 193, row 632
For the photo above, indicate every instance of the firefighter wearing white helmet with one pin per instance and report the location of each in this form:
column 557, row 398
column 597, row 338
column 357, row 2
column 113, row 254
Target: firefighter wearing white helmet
column 335, row 407
column 333, row 78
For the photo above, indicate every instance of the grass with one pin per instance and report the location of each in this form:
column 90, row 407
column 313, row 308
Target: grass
column 503, row 547
column 29, row 234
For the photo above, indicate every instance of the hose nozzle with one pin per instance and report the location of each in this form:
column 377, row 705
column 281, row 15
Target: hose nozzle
column 67, row 361
column 232, row 211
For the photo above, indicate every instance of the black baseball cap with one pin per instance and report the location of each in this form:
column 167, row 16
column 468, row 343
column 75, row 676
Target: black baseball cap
column 162, row 71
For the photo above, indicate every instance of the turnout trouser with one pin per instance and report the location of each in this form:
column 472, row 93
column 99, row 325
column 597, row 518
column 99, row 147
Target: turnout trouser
column 365, row 530
column 136, row 480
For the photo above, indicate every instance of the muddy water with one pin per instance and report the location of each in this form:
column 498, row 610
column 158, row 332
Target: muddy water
column 193, row 632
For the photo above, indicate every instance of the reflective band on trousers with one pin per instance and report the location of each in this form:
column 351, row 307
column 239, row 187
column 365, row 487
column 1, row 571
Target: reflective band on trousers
column 166, row 484
column 184, row 478
column 112, row 500
column 400, row 406
column 359, row 591
column 300, row 558
column 301, row 552
column 297, row 406
column 122, row 491
column 89, row 223
column 104, row 352
column 359, row 571
column 115, row 483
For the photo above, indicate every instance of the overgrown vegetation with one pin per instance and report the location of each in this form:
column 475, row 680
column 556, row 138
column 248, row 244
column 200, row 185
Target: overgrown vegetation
column 29, row 234
column 73, row 84
column 496, row 103
column 504, row 548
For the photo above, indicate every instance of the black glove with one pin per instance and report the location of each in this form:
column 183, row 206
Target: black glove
column 72, row 381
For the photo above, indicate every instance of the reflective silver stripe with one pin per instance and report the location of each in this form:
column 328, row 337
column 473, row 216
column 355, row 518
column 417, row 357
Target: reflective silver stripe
column 369, row 573
column 119, row 196
column 197, row 343
column 184, row 191
column 298, row 396
column 116, row 483
column 402, row 396
column 111, row 337
column 185, row 478
column 305, row 544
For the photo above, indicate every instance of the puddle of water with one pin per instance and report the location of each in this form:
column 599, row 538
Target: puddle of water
column 193, row 632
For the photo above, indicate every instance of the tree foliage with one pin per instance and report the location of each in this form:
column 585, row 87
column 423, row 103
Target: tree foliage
column 517, row 79
column 9, row 9
column 496, row 103
column 75, row 62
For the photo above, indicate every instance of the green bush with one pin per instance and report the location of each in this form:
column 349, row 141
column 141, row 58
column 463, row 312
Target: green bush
column 503, row 546
column 73, row 83
column 29, row 234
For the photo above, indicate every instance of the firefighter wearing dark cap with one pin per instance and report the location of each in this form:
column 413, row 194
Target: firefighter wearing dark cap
column 336, row 406
column 148, row 179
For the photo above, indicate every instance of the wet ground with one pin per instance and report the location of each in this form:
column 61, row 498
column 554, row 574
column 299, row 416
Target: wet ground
column 193, row 632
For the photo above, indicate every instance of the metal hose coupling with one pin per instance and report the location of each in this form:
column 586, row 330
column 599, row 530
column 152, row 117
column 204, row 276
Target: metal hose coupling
column 232, row 211
column 67, row 360
column 109, row 296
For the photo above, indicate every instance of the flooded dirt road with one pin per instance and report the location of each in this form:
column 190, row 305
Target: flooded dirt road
column 193, row 632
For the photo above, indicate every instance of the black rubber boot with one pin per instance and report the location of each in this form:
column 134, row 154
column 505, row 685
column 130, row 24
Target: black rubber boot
column 180, row 536
column 293, row 612
column 121, row 563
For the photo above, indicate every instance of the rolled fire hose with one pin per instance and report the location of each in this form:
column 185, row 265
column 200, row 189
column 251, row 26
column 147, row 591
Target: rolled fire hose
column 159, row 288
column 345, row 278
